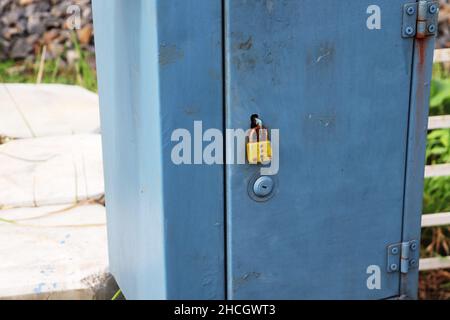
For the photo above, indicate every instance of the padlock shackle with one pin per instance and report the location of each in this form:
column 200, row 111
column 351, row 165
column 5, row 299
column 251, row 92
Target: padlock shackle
column 256, row 121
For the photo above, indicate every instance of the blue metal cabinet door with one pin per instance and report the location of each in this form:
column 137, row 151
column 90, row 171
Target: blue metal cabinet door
column 340, row 93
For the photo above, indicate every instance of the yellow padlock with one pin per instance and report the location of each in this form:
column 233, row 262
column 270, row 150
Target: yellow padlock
column 265, row 148
column 259, row 149
column 253, row 147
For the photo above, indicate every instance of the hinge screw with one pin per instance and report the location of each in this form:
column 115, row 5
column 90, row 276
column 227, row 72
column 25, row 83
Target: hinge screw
column 394, row 267
column 413, row 263
column 410, row 11
column 414, row 246
column 409, row 31
column 394, row 251
column 433, row 9
column 431, row 28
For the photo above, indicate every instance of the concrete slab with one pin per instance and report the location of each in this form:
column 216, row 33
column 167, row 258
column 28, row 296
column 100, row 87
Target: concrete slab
column 50, row 171
column 28, row 110
column 11, row 121
column 55, row 252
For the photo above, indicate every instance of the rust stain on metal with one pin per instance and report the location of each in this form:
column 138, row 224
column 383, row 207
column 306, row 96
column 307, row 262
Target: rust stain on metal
column 420, row 89
column 422, row 51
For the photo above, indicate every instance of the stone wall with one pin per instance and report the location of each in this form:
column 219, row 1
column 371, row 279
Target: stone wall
column 28, row 25
column 443, row 40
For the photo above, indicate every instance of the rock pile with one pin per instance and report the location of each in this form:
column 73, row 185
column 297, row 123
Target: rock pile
column 443, row 40
column 28, row 25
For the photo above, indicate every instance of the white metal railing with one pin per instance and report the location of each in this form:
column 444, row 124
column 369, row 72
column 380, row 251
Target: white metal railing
column 436, row 219
column 442, row 170
column 439, row 122
column 442, row 55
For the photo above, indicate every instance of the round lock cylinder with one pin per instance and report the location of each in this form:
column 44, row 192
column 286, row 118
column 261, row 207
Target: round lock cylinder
column 263, row 187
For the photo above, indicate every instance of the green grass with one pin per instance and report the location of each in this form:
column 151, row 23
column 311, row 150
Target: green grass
column 117, row 295
column 81, row 73
column 436, row 241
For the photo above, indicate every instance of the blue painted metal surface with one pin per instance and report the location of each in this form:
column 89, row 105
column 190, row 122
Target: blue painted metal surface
column 160, row 68
column 351, row 106
column 339, row 93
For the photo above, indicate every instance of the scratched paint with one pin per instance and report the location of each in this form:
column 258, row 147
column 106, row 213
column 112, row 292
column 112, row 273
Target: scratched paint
column 250, row 276
column 321, row 55
column 324, row 121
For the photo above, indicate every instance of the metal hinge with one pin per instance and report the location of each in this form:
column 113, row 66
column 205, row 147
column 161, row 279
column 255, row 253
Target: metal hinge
column 420, row 19
column 403, row 257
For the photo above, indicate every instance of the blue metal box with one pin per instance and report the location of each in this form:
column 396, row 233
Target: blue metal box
column 345, row 82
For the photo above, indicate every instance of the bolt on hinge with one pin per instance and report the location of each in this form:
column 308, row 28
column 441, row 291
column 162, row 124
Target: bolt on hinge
column 420, row 19
column 403, row 257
